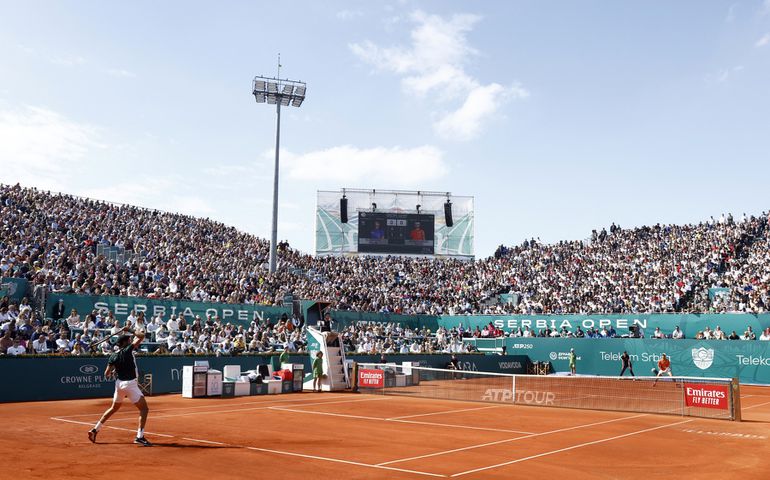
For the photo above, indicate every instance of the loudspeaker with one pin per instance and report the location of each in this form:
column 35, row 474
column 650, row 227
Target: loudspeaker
column 448, row 214
column 344, row 210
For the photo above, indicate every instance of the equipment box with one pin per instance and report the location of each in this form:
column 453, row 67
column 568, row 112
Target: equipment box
column 228, row 389
column 193, row 382
column 242, row 388
column 213, row 383
column 257, row 389
column 273, row 386
column 287, row 386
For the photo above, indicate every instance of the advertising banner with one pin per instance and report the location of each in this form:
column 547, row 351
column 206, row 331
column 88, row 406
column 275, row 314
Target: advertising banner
column 689, row 324
column 749, row 360
column 59, row 378
column 368, row 378
column 237, row 314
column 708, row 396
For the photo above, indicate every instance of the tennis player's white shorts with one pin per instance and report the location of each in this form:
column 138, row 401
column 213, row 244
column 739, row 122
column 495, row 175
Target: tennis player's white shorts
column 668, row 370
column 127, row 388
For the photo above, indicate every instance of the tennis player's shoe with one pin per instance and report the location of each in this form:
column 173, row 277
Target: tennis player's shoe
column 142, row 441
column 92, row 435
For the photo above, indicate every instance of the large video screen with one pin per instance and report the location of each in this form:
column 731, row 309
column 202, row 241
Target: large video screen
column 395, row 233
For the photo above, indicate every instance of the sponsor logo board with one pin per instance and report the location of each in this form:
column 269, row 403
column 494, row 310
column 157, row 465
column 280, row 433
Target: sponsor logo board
column 703, row 357
column 368, row 378
column 522, row 397
column 87, row 377
column 89, row 369
column 706, row 396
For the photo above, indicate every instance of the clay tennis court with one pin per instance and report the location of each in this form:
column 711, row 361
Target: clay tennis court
column 356, row 436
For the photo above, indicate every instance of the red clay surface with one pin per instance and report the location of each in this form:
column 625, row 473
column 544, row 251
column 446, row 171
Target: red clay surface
column 349, row 436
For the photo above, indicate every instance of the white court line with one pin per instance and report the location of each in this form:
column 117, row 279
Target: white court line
column 397, row 420
column 210, row 405
column 349, row 462
column 754, row 406
column 110, row 426
column 471, row 447
column 468, row 427
column 213, row 412
column 370, row 399
column 552, row 452
column 278, row 452
column 203, row 441
column 345, row 415
column 445, row 411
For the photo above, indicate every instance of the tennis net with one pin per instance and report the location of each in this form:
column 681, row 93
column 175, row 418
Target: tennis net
column 686, row 396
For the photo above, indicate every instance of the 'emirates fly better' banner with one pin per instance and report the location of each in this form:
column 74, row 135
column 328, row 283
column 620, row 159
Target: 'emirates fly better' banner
column 707, row 396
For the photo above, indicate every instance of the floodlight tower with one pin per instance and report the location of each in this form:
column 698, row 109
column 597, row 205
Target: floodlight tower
column 275, row 91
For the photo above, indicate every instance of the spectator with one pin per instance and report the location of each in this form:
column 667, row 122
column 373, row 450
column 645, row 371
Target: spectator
column 40, row 345
column 173, row 324
column 58, row 311
column 16, row 348
column 73, row 321
column 677, row 334
column 6, row 342
column 750, row 333
column 62, row 344
column 719, row 334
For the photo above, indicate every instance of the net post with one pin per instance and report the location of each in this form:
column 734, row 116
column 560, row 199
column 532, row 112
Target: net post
column 735, row 394
column 354, row 380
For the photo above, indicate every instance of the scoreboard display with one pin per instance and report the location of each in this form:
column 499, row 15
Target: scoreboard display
column 386, row 232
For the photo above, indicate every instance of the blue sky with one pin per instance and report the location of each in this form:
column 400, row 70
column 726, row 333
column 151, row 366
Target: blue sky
column 558, row 117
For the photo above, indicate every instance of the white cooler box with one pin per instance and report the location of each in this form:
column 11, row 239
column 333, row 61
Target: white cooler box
column 213, row 383
column 242, row 388
column 273, row 386
column 232, row 372
column 193, row 381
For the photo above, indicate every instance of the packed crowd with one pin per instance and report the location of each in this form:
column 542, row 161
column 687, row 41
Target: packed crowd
column 22, row 333
column 53, row 239
column 76, row 334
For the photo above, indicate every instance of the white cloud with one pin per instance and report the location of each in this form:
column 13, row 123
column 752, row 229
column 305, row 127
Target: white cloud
column 435, row 64
column 153, row 192
column 764, row 40
column 346, row 163
column 346, row 15
column 41, row 147
column 68, row 61
column 120, row 73
column 25, row 49
column 725, row 75
column 465, row 122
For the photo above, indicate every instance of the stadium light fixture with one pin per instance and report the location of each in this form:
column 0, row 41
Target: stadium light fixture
column 281, row 93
